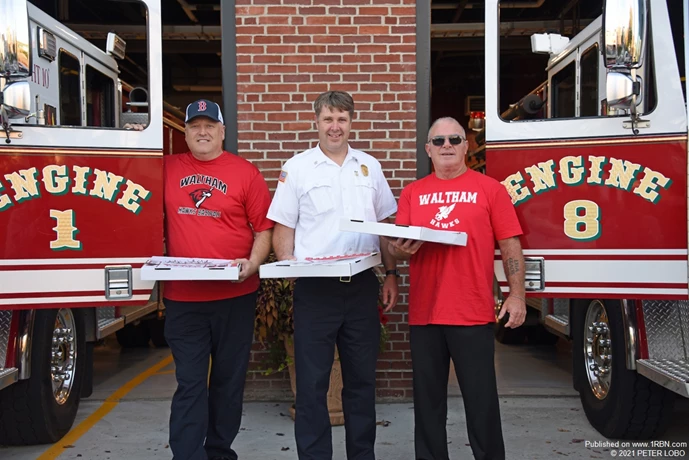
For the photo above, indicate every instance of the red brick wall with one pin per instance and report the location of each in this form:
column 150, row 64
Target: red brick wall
column 288, row 52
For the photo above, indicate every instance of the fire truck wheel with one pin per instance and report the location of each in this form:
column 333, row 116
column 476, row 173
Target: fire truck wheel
column 618, row 402
column 41, row 410
column 133, row 335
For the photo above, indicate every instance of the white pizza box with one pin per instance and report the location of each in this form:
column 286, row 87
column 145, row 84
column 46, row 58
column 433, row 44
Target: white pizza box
column 404, row 231
column 185, row 268
column 334, row 266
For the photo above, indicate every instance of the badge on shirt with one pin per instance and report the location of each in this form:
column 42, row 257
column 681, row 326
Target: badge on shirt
column 283, row 176
column 364, row 170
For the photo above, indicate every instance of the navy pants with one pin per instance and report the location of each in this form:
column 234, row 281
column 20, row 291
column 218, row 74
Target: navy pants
column 206, row 415
column 329, row 312
column 471, row 349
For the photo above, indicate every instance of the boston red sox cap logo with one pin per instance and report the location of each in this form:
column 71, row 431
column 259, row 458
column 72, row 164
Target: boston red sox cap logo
column 204, row 108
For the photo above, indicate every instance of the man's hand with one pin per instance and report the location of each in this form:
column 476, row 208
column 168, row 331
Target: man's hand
column 516, row 307
column 247, row 270
column 134, row 126
column 390, row 292
column 404, row 246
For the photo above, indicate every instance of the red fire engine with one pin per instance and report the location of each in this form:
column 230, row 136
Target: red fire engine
column 595, row 161
column 80, row 211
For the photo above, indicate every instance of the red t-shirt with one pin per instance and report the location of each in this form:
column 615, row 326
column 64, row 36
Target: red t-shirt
column 212, row 209
column 453, row 285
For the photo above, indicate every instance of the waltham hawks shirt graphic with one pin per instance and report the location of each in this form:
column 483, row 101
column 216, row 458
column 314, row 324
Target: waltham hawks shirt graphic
column 202, row 197
column 443, row 218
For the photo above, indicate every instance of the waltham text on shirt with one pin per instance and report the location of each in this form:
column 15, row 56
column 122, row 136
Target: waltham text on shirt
column 201, row 195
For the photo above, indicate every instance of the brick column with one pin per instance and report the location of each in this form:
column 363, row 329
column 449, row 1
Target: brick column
column 290, row 51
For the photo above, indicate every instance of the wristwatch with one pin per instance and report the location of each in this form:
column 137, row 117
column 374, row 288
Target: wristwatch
column 392, row 272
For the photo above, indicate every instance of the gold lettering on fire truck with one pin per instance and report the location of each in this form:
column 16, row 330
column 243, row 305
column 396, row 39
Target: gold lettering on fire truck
column 65, row 230
column 572, row 171
column 596, row 170
column 542, row 176
column 24, row 184
column 81, row 177
column 130, row 197
column 106, row 184
column 56, row 180
column 622, row 174
column 514, row 185
column 649, row 184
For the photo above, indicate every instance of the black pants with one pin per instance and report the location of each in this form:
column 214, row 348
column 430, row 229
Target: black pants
column 472, row 349
column 329, row 312
column 206, row 416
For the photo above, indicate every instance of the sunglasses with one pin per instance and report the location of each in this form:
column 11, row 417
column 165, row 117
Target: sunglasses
column 439, row 141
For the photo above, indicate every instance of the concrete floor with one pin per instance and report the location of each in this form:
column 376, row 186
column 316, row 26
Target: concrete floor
column 541, row 415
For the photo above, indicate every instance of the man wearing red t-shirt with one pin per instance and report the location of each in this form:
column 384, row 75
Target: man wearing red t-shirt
column 215, row 207
column 451, row 306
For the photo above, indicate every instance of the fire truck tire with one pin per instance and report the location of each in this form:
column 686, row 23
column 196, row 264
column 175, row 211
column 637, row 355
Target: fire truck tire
column 156, row 328
column 133, row 335
column 633, row 407
column 29, row 411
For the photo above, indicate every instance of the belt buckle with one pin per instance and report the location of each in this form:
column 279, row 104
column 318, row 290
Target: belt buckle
column 345, row 279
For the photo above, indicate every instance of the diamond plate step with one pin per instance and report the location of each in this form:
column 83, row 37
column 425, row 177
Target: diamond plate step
column 559, row 323
column 673, row 375
column 107, row 326
column 5, row 323
column 8, row 377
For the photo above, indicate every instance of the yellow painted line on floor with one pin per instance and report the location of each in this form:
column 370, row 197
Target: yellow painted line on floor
column 165, row 372
column 109, row 404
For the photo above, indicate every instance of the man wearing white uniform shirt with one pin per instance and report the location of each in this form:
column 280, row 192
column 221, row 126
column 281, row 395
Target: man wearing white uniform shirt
column 315, row 189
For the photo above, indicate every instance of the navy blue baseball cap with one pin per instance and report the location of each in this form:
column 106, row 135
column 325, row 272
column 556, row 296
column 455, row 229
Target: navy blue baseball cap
column 204, row 108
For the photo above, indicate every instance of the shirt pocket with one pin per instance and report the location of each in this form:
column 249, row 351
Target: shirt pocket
column 318, row 197
column 366, row 196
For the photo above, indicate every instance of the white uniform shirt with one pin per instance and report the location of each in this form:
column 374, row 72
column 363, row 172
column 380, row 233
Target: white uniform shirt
column 314, row 192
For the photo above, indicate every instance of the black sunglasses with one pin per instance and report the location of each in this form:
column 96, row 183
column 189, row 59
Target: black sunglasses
column 439, row 141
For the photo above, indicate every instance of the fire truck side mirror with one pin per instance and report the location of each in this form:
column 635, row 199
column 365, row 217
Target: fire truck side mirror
column 624, row 33
column 15, row 50
column 16, row 99
column 620, row 89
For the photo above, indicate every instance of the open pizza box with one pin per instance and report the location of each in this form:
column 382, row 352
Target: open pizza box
column 404, row 231
column 334, row 266
column 184, row 268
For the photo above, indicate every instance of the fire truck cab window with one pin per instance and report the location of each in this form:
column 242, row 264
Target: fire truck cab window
column 70, row 92
column 563, row 92
column 100, row 99
column 588, row 67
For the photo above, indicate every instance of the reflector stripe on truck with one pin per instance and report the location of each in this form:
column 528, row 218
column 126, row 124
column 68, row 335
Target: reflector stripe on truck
column 79, row 151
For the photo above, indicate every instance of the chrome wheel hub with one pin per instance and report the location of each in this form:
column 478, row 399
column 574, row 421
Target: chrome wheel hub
column 598, row 349
column 63, row 355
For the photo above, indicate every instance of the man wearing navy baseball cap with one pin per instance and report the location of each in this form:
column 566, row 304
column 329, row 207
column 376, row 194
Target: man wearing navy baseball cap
column 216, row 205
column 204, row 108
